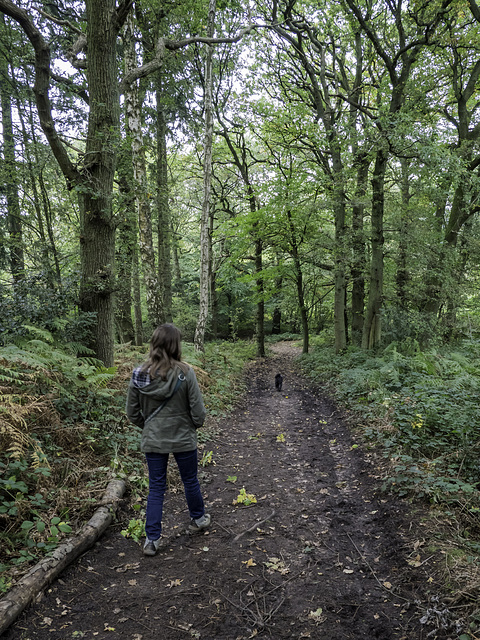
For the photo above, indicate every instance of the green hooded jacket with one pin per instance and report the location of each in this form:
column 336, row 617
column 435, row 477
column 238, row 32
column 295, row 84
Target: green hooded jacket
column 173, row 428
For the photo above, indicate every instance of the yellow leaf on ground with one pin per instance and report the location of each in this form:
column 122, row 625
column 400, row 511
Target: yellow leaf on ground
column 249, row 563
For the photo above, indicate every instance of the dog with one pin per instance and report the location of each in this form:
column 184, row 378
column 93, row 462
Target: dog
column 278, row 382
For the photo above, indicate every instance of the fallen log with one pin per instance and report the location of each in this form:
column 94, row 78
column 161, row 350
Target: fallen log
column 45, row 571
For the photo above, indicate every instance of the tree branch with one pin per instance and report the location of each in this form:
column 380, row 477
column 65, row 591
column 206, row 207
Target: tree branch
column 122, row 13
column 80, row 92
column 41, row 87
column 164, row 45
column 62, row 23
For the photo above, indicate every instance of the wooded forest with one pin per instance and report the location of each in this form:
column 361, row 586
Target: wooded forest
column 272, row 168
column 251, row 172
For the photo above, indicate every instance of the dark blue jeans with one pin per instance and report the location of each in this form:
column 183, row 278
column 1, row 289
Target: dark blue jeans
column 157, row 477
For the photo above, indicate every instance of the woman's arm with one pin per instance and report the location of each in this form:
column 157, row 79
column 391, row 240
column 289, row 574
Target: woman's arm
column 133, row 410
column 197, row 407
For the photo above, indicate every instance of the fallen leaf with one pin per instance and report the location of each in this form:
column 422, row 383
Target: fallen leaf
column 249, row 563
column 47, row 621
column 317, row 615
column 348, row 571
column 126, row 567
column 174, row 583
column 415, row 562
column 387, row 585
column 132, row 582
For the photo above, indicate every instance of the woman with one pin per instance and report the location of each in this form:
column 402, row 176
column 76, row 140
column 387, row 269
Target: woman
column 165, row 400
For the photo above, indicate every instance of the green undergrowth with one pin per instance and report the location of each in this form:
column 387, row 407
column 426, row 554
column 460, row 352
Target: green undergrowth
column 422, row 407
column 64, row 435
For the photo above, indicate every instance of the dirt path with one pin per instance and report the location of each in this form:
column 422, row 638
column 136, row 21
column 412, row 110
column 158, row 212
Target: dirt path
column 320, row 555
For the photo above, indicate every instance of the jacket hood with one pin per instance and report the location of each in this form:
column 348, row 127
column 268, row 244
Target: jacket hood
column 160, row 389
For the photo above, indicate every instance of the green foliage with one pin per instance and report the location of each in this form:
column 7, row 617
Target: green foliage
column 36, row 308
column 245, row 498
column 207, row 459
column 134, row 530
column 224, row 363
column 421, row 405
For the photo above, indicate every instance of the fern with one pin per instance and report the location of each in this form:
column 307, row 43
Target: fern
column 75, row 348
column 42, row 334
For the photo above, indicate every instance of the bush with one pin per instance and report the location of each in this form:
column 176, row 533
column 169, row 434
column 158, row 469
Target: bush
column 422, row 406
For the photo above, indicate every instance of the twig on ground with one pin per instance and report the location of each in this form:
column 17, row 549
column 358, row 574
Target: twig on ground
column 224, row 528
column 373, row 572
column 253, row 527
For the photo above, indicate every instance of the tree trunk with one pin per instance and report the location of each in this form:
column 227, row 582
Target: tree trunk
column 339, row 274
column 299, row 285
column 358, row 249
column 277, row 312
column 126, row 241
column 36, row 202
column 97, row 221
column 142, row 196
column 212, row 270
column 260, row 315
column 402, row 275
column 372, row 326
column 14, row 220
column 207, row 182
column 164, row 235
column 137, row 299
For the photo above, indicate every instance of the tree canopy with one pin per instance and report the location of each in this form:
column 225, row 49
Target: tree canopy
column 341, row 194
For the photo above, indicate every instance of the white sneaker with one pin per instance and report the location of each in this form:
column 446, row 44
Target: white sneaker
column 198, row 524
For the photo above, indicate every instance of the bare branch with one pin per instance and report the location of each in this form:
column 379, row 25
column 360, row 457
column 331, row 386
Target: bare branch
column 41, row 87
column 164, row 45
column 79, row 91
column 62, row 23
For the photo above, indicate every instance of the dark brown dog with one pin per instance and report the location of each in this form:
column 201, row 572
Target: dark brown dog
column 278, row 382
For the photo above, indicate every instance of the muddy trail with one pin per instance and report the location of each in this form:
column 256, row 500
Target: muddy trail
column 322, row 553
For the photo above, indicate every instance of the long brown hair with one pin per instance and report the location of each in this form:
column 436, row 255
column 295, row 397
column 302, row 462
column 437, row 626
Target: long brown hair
column 165, row 351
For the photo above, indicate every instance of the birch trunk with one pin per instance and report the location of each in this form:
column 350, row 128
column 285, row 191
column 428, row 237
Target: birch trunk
column 142, row 201
column 207, row 181
column 137, row 302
